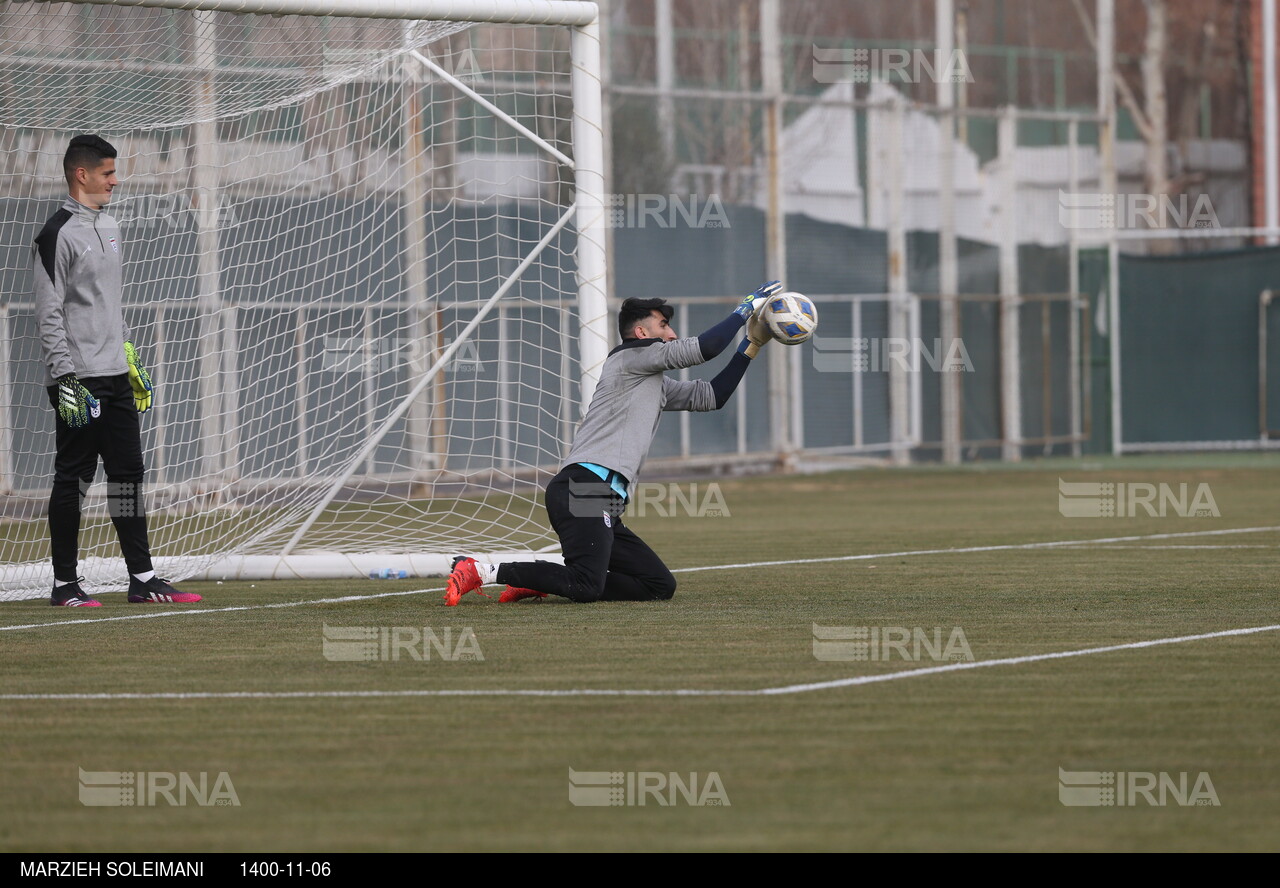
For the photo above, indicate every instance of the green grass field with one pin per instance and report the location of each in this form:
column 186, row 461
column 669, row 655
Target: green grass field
column 953, row 760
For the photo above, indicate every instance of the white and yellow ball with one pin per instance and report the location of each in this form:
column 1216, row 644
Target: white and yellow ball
column 790, row 317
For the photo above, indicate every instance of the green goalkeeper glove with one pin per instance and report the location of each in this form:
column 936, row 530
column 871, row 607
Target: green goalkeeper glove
column 751, row 304
column 139, row 379
column 76, row 405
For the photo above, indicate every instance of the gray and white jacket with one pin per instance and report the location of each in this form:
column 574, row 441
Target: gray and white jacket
column 76, row 263
column 629, row 400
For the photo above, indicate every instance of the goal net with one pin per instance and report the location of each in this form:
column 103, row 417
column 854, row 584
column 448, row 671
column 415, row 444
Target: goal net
column 363, row 261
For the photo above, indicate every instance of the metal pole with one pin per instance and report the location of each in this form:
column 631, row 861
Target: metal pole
column 370, row 353
column 608, row 12
column 962, row 88
column 568, row 416
column 205, row 147
column 159, row 429
column 896, row 239
column 776, row 219
column 493, row 109
column 232, row 414
column 528, row 12
column 506, row 433
column 588, row 145
column 6, row 405
column 1106, row 144
column 682, row 322
column 1264, row 299
column 666, row 58
column 948, row 248
column 421, row 313
column 1010, row 341
column 1271, row 150
column 856, row 306
column 301, row 415
column 1073, row 289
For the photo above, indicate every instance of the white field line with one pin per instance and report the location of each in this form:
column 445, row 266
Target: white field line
column 833, row 559
column 222, row 610
column 1162, row 548
column 1005, row 548
column 626, row 692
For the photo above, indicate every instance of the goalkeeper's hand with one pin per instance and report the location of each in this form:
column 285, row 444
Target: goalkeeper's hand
column 139, row 379
column 751, row 304
column 757, row 335
column 76, row 405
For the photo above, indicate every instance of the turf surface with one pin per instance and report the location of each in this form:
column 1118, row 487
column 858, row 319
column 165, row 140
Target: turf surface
column 961, row 760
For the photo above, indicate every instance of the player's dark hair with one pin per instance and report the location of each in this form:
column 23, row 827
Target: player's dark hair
column 86, row 151
column 635, row 310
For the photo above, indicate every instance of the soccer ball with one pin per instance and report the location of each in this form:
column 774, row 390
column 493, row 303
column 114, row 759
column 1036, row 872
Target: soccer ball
column 790, row 317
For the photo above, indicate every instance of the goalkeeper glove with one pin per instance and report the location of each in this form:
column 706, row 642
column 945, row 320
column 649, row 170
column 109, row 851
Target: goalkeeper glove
column 751, row 304
column 139, row 379
column 76, row 405
column 757, row 335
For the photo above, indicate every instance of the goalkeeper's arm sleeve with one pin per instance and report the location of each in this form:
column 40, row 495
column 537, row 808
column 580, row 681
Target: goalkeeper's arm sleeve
column 50, row 266
column 726, row 381
column 717, row 338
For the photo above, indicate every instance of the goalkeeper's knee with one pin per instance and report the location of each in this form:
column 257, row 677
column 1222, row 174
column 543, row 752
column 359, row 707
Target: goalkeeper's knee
column 664, row 588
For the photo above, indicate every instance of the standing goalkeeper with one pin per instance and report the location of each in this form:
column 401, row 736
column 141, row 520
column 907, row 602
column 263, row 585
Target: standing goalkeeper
column 96, row 383
column 603, row 559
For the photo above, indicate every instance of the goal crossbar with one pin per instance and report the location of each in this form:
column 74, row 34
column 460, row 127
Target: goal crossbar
column 511, row 12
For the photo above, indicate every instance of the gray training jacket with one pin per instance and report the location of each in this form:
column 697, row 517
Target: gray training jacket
column 76, row 265
column 623, row 417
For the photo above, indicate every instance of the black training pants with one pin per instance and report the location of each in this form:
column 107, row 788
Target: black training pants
column 116, row 437
column 603, row 560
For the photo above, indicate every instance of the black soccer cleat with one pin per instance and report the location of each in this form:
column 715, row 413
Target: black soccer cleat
column 71, row 595
column 158, row 591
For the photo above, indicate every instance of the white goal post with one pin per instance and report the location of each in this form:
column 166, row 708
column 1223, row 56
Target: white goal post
column 364, row 248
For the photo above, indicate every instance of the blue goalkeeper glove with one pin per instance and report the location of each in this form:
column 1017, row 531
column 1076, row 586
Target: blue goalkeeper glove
column 139, row 379
column 751, row 304
column 76, row 405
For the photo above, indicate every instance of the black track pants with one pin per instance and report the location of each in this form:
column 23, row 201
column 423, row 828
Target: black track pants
column 115, row 437
column 603, row 560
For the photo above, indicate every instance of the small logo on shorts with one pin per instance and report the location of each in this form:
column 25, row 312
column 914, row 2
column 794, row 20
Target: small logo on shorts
column 96, row 410
column 608, row 522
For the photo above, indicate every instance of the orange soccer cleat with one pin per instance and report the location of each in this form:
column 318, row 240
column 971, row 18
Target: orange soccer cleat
column 515, row 593
column 465, row 578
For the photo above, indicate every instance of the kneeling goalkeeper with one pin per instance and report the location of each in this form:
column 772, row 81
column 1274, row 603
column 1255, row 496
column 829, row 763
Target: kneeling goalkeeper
column 603, row 559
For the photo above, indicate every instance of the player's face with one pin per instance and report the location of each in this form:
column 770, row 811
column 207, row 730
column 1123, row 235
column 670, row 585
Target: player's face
column 656, row 327
column 96, row 184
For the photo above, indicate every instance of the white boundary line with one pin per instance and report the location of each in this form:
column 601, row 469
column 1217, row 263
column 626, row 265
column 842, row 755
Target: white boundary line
column 1176, row 547
column 837, row 558
column 625, row 692
column 1004, row 548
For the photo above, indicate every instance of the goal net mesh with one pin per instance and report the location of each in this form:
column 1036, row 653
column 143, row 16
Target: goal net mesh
column 311, row 212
